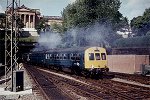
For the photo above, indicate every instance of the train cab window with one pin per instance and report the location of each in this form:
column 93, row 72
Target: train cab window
column 91, row 56
column 97, row 56
column 103, row 55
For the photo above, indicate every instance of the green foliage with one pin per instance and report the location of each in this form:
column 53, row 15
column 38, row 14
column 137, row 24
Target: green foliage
column 84, row 12
column 41, row 25
column 142, row 41
column 141, row 24
column 57, row 28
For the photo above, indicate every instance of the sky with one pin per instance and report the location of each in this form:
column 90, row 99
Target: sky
column 129, row 8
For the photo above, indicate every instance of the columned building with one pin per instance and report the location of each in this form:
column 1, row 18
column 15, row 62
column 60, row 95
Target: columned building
column 30, row 18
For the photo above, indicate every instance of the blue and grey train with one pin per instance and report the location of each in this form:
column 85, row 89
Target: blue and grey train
column 87, row 60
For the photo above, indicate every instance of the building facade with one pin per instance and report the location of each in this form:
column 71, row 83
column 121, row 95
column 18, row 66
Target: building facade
column 53, row 20
column 30, row 19
column 28, row 16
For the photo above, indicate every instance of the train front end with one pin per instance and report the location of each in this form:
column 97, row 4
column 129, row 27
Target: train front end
column 95, row 60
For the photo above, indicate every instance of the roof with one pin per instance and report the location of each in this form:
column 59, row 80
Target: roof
column 75, row 49
column 32, row 10
column 53, row 17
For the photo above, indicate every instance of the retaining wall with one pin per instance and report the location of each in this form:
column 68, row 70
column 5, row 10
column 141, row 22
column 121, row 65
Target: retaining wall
column 127, row 63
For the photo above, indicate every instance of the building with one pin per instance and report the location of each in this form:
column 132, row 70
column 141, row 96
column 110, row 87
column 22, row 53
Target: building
column 53, row 20
column 124, row 32
column 30, row 18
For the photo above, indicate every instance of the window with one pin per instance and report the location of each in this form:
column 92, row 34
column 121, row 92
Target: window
column 61, row 56
column 91, row 56
column 57, row 56
column 103, row 55
column 97, row 56
column 72, row 56
column 78, row 57
column 51, row 56
column 46, row 56
column 65, row 57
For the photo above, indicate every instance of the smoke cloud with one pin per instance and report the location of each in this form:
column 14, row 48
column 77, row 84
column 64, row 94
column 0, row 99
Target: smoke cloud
column 48, row 40
column 92, row 35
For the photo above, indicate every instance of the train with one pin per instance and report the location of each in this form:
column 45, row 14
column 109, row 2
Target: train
column 89, row 61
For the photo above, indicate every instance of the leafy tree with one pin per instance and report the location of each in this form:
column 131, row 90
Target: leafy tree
column 83, row 13
column 41, row 25
column 57, row 28
column 141, row 24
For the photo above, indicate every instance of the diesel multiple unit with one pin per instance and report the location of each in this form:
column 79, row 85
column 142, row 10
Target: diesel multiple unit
column 87, row 60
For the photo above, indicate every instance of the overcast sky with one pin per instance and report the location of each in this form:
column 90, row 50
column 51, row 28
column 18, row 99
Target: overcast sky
column 129, row 8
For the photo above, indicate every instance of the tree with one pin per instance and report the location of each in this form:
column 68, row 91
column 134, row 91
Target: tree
column 141, row 25
column 41, row 25
column 83, row 13
column 57, row 28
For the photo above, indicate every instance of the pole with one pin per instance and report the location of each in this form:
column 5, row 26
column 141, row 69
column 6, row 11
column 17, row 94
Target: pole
column 12, row 31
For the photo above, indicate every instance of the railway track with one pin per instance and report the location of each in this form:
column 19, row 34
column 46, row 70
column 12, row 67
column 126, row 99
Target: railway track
column 95, row 89
column 136, row 78
column 122, row 89
column 115, row 91
column 45, row 87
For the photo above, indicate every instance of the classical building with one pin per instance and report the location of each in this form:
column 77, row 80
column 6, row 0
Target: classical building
column 30, row 18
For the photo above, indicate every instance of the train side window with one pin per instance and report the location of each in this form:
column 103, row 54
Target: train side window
column 46, row 56
column 60, row 56
column 50, row 56
column 65, row 57
column 91, row 56
column 72, row 56
column 97, row 56
column 78, row 56
column 103, row 55
column 57, row 56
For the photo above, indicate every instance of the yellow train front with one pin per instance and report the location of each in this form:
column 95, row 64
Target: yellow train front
column 95, row 60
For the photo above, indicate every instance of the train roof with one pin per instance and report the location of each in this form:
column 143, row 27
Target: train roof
column 76, row 49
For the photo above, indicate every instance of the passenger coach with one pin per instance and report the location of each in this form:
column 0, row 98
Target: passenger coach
column 87, row 60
